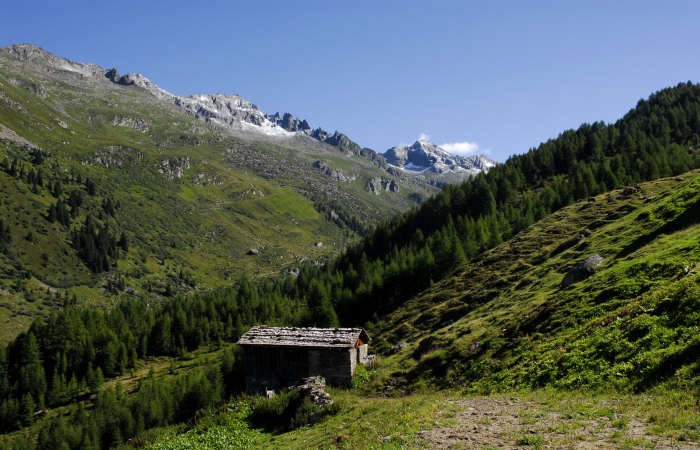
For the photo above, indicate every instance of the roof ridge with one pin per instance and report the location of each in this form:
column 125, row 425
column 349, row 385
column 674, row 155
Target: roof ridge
column 303, row 336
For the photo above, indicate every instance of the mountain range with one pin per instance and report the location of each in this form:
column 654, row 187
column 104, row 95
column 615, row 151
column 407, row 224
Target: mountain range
column 244, row 118
column 204, row 175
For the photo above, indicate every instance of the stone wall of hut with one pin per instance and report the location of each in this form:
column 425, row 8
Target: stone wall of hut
column 269, row 367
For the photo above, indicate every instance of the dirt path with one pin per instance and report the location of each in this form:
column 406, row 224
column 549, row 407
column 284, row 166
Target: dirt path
column 512, row 423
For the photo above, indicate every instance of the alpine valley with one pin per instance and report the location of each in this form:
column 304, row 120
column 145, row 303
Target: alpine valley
column 186, row 193
column 548, row 301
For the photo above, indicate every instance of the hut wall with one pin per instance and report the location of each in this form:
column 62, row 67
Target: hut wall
column 274, row 367
column 362, row 353
column 337, row 366
column 279, row 367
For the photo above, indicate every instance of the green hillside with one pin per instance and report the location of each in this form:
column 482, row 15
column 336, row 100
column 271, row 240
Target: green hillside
column 564, row 359
column 405, row 255
column 510, row 318
column 189, row 199
column 505, row 322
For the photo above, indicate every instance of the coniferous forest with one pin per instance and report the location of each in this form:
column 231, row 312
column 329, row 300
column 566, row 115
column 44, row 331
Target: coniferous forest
column 60, row 360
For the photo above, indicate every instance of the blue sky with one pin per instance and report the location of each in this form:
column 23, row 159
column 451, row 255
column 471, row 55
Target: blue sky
column 501, row 75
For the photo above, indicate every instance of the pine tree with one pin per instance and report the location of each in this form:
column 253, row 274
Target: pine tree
column 27, row 409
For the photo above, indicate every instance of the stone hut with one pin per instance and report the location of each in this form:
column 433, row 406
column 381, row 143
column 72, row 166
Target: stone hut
column 279, row 357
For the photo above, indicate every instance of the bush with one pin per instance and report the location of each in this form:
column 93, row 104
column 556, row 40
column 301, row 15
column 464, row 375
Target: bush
column 361, row 376
column 277, row 411
column 288, row 410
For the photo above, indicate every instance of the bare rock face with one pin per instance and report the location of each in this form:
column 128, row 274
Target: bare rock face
column 378, row 184
column 374, row 185
column 335, row 174
column 582, row 270
column 114, row 156
column 8, row 135
column 174, row 167
column 130, row 122
column 235, row 112
column 35, row 55
column 288, row 122
column 112, row 75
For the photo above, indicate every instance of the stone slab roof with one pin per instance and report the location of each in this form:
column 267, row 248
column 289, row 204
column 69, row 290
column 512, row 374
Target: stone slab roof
column 304, row 337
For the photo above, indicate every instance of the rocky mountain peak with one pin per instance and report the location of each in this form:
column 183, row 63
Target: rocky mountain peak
column 425, row 157
column 28, row 52
column 37, row 56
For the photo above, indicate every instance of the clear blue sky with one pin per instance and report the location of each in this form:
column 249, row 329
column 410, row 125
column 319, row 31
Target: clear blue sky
column 505, row 75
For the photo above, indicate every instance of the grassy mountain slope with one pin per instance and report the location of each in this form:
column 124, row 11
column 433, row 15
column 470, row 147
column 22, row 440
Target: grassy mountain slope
column 505, row 324
column 191, row 199
column 405, row 255
column 508, row 319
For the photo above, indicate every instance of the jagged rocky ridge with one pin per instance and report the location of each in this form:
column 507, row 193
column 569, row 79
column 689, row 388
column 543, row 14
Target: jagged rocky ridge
column 424, row 156
column 238, row 114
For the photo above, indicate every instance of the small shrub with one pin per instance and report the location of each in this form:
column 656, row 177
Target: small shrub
column 288, row 410
column 531, row 440
column 362, row 376
column 620, row 422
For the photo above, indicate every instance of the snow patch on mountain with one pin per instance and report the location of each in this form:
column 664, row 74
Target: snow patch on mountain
column 413, row 167
column 231, row 111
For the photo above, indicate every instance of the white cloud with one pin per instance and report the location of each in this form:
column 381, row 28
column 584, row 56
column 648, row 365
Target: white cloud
column 424, row 137
column 461, row 148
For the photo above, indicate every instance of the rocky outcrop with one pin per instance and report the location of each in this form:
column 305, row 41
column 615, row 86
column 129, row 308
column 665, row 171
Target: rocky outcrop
column 335, row 174
column 205, row 179
column 374, row 185
column 289, row 122
column 174, row 168
column 378, row 184
column 582, row 270
column 393, row 171
column 112, row 75
column 114, row 156
column 343, row 142
column 130, row 122
column 313, row 389
column 13, row 105
column 8, row 135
